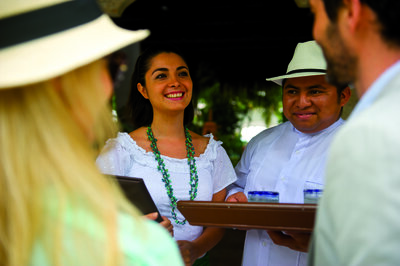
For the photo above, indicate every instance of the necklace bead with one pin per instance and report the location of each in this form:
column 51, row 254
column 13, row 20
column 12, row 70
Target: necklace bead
column 194, row 179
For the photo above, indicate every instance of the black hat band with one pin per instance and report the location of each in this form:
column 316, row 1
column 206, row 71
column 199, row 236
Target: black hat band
column 46, row 21
column 306, row 70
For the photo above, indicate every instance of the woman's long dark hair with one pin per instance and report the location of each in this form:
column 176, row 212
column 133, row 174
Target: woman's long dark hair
column 139, row 108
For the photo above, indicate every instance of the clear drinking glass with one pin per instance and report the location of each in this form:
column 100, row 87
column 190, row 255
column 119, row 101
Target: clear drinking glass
column 312, row 192
column 263, row 196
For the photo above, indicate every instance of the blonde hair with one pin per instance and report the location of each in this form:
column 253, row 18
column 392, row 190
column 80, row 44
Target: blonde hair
column 50, row 187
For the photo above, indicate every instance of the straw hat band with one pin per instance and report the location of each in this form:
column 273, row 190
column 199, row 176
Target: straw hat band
column 43, row 22
column 306, row 70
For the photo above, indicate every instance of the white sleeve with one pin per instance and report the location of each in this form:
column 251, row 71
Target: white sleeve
column 223, row 172
column 114, row 159
column 242, row 170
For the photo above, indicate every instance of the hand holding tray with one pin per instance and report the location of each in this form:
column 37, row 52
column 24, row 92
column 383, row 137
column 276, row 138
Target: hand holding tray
column 250, row 215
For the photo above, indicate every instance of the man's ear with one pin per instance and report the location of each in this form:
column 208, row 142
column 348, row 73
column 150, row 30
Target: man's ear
column 142, row 91
column 345, row 96
column 352, row 13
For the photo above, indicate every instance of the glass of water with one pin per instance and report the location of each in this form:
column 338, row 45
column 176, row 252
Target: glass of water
column 312, row 192
column 263, row 196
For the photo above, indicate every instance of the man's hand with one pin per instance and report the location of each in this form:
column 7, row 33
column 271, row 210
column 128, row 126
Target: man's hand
column 237, row 197
column 298, row 241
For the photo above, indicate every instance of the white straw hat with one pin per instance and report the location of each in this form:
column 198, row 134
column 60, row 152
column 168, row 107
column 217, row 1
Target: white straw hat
column 308, row 60
column 42, row 39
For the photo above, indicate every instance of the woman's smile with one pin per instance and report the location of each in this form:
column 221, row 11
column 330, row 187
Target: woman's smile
column 175, row 95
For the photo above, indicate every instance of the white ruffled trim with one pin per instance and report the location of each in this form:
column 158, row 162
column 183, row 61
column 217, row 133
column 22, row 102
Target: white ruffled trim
column 141, row 156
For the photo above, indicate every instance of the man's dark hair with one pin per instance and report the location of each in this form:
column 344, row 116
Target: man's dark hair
column 387, row 12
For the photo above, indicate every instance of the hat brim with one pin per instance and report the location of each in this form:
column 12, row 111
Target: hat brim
column 26, row 63
column 278, row 80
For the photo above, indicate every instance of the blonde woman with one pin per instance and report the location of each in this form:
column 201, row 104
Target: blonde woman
column 55, row 206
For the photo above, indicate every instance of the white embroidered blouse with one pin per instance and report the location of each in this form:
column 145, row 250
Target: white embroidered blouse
column 122, row 156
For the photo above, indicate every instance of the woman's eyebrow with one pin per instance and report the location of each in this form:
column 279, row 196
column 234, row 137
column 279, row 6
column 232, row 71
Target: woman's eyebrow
column 159, row 69
column 166, row 69
column 182, row 67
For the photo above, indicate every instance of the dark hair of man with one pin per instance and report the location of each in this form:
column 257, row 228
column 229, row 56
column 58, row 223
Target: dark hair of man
column 139, row 108
column 387, row 12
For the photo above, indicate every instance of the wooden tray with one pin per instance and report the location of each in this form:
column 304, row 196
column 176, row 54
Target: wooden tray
column 249, row 215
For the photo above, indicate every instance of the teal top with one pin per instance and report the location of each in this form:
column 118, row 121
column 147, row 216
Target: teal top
column 142, row 241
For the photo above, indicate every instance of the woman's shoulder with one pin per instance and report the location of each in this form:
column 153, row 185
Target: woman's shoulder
column 200, row 143
column 139, row 134
column 204, row 139
column 123, row 143
column 212, row 148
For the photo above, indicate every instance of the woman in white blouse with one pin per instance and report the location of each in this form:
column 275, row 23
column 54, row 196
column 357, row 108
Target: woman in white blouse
column 176, row 164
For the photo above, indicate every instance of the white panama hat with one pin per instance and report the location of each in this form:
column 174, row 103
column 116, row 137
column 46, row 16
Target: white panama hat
column 42, row 39
column 308, row 60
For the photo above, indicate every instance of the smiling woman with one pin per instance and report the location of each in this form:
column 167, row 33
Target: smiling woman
column 167, row 80
column 139, row 105
column 176, row 164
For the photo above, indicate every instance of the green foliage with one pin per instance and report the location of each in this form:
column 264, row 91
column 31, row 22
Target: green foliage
column 230, row 105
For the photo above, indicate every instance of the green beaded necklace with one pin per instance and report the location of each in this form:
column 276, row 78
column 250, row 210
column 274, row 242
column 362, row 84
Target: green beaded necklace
column 194, row 179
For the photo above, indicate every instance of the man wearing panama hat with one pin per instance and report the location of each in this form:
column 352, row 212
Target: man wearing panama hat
column 287, row 157
column 56, row 207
